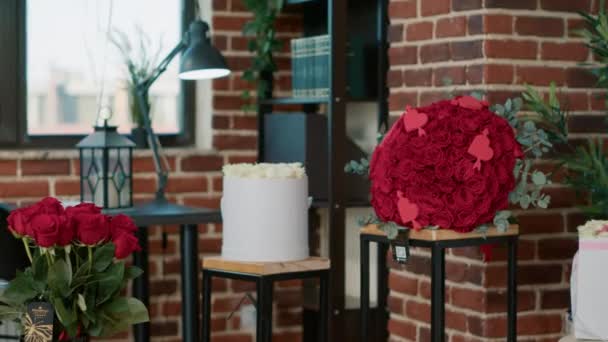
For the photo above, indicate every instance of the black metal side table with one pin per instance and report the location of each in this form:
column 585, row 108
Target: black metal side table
column 165, row 213
column 438, row 241
column 264, row 274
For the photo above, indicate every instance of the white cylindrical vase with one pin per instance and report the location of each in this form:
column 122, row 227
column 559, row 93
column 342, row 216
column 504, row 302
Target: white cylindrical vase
column 265, row 219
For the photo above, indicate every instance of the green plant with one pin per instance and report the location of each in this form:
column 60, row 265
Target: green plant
column 586, row 165
column 596, row 37
column 140, row 65
column 263, row 43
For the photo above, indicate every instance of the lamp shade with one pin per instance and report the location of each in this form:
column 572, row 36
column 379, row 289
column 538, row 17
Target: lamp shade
column 201, row 60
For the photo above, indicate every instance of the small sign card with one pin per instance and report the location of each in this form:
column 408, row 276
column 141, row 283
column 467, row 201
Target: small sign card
column 401, row 246
column 38, row 325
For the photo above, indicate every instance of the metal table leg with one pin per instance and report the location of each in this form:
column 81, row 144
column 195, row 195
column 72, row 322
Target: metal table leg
column 206, row 326
column 190, row 264
column 364, row 296
column 141, row 285
column 383, row 290
column 324, row 306
column 438, row 294
column 512, row 290
column 264, row 310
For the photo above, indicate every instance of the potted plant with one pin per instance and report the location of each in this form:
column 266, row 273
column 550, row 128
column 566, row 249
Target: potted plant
column 140, row 66
column 77, row 270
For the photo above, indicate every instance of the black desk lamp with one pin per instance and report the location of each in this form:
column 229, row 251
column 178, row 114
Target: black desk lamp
column 200, row 60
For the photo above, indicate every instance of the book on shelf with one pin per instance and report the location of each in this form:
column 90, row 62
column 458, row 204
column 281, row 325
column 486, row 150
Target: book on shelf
column 310, row 66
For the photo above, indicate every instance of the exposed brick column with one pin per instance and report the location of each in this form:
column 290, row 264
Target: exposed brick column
column 496, row 46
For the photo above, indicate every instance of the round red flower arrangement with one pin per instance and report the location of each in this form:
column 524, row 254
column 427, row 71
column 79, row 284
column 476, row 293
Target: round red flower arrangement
column 449, row 165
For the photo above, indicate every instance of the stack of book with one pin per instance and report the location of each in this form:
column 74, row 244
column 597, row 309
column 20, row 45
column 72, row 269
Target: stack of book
column 310, row 66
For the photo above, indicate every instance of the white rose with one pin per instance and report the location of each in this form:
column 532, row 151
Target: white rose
column 265, row 170
column 593, row 229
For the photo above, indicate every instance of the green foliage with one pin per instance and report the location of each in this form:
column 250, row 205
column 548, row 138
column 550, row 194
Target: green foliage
column 589, row 176
column 390, row 228
column 360, row 168
column 595, row 34
column 537, row 136
column 587, row 165
column 84, row 287
column 550, row 113
column 263, row 44
column 140, row 57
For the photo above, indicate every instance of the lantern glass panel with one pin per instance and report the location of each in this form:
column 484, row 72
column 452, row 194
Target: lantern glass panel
column 87, row 187
column 125, row 192
column 98, row 177
column 113, row 200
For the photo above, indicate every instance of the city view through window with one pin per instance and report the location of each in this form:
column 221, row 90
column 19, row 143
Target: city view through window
column 70, row 59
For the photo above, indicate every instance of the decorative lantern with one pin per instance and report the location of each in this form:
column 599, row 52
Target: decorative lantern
column 106, row 169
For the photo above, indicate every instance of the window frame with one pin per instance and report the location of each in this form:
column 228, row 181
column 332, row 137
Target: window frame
column 13, row 87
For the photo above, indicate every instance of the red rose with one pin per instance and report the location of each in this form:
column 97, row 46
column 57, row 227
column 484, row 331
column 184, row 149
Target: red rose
column 126, row 244
column 47, row 229
column 49, row 205
column 120, row 224
column 19, row 221
column 83, row 208
column 444, row 218
column 91, row 229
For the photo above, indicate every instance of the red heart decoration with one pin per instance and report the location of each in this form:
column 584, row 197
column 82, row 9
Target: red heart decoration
column 480, row 149
column 469, row 102
column 408, row 210
column 414, row 120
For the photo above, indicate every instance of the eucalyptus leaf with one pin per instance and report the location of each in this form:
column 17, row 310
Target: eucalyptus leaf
column 513, row 197
column 539, row 178
column 525, row 201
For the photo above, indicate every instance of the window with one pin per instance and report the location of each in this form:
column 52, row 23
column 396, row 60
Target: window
column 61, row 66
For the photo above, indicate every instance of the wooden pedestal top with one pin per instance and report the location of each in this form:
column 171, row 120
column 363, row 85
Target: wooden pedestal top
column 266, row 268
column 445, row 234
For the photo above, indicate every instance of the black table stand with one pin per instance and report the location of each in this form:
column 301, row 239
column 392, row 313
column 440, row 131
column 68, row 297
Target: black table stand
column 264, row 275
column 438, row 241
column 165, row 213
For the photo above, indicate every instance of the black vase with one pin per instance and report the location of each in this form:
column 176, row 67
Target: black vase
column 139, row 137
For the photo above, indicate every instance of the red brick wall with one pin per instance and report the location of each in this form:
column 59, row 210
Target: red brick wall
column 496, row 46
column 26, row 176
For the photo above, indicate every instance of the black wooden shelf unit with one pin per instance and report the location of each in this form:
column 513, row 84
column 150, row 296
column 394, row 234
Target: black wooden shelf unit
column 321, row 141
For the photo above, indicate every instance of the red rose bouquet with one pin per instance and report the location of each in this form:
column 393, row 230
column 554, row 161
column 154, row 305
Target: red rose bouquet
column 456, row 164
column 77, row 265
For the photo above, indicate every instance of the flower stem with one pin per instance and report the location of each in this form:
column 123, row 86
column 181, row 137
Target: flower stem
column 27, row 249
column 48, row 258
column 90, row 249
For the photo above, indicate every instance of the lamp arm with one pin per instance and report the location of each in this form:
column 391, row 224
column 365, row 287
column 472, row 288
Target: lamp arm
column 162, row 66
column 162, row 172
